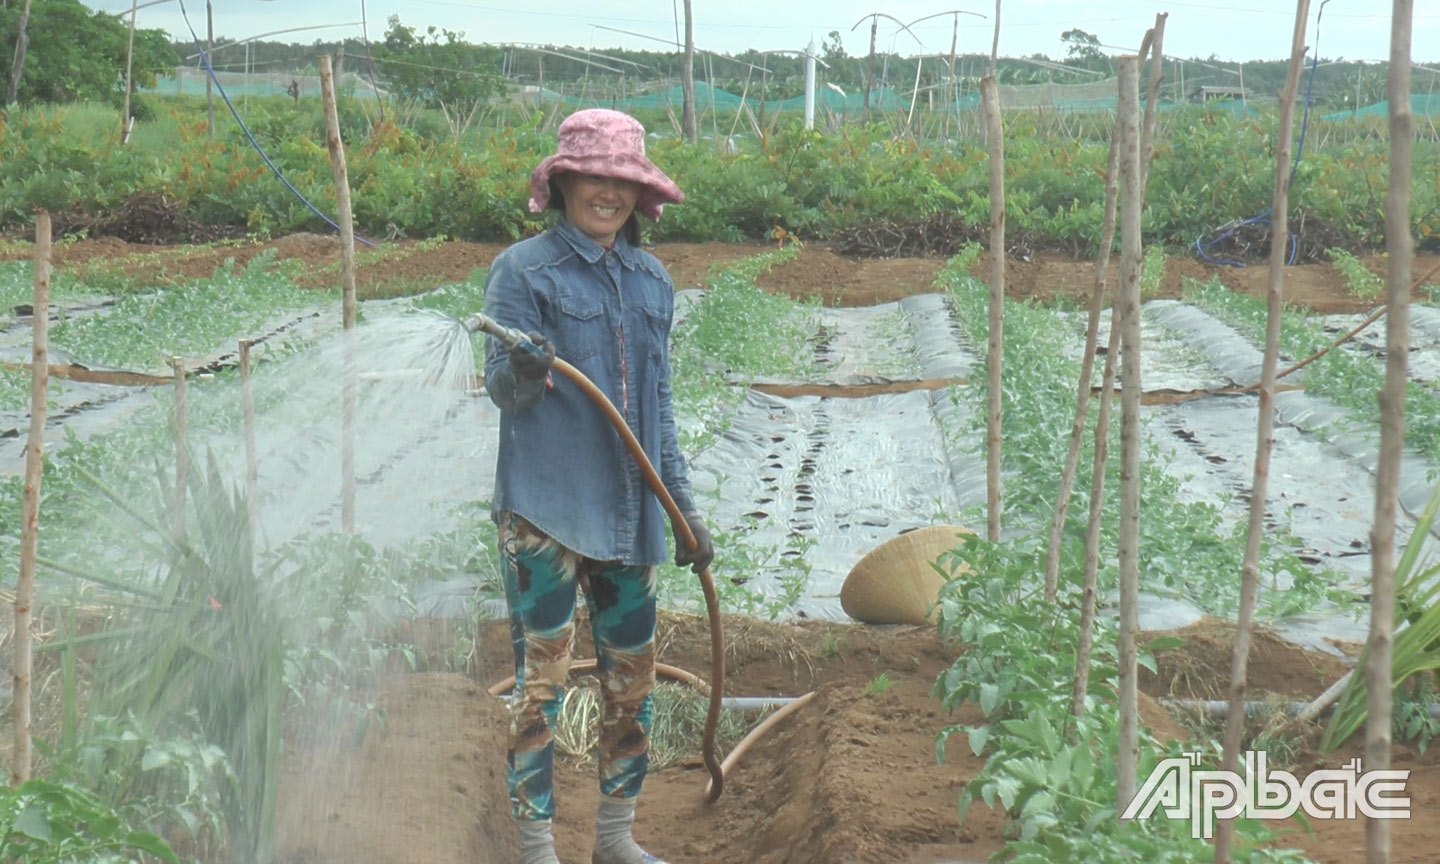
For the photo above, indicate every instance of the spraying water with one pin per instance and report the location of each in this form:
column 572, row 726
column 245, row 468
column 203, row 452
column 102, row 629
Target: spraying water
column 243, row 641
column 422, row 439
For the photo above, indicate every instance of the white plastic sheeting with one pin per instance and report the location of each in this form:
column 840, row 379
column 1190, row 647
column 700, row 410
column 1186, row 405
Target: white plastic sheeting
column 829, row 478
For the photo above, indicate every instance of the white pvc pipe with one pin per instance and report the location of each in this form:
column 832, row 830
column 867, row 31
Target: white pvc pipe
column 1221, row 708
column 810, row 85
column 755, row 703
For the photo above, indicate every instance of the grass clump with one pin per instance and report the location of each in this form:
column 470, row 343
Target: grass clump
column 141, row 330
column 1361, row 282
column 677, row 723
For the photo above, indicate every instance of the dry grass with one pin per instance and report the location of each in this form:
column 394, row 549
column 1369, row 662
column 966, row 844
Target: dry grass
column 745, row 638
column 47, row 692
column 679, row 721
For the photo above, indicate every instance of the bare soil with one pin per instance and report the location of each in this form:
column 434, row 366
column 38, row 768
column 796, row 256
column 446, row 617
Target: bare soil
column 853, row 777
column 817, row 272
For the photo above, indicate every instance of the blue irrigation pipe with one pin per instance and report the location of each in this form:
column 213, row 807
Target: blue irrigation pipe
column 205, row 55
column 1202, row 245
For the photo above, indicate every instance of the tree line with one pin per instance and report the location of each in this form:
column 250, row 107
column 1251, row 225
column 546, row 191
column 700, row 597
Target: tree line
column 75, row 53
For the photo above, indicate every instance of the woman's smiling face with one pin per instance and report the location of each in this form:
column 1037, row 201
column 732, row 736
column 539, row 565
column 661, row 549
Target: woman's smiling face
column 597, row 205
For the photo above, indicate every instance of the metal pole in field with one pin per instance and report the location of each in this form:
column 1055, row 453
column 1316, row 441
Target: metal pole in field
column 347, row 275
column 182, row 450
column 129, row 60
column 990, row 98
column 1265, row 425
column 209, row 49
column 30, row 500
column 247, row 407
column 1127, row 122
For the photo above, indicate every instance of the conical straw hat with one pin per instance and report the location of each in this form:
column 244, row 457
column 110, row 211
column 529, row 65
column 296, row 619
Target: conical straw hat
column 895, row 583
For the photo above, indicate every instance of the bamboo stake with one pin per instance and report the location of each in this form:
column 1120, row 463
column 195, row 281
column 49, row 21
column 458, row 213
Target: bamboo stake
column 247, row 404
column 1265, row 428
column 1128, row 123
column 347, row 270
column 182, row 450
column 990, row 97
column 30, row 501
column 1399, row 246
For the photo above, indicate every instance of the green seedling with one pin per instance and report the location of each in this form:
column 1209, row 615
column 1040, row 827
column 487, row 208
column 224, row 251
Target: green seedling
column 879, row 684
column 1362, row 283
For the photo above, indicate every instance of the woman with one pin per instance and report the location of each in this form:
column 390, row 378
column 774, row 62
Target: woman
column 570, row 503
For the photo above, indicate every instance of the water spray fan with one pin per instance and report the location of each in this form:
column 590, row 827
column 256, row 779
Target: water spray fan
column 512, row 339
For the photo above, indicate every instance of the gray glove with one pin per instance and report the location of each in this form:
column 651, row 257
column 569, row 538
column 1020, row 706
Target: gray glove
column 704, row 551
column 529, row 366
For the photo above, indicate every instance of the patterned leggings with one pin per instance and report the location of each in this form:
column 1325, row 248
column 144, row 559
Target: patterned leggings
column 540, row 581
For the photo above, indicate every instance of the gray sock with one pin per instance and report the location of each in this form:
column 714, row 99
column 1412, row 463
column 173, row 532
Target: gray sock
column 613, row 843
column 537, row 844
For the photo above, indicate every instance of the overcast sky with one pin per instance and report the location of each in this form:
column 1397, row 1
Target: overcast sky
column 1229, row 29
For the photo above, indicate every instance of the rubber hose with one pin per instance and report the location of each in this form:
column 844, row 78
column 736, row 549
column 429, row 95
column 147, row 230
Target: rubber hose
column 707, row 583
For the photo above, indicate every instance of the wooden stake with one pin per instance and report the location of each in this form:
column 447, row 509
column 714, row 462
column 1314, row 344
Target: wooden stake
column 1152, row 96
column 247, row 407
column 342, row 192
column 22, row 41
column 1399, row 246
column 1097, row 506
column 1265, row 427
column 347, row 271
column 182, row 449
column 1152, row 42
column 990, row 97
column 30, row 501
column 995, row 41
column 1127, row 121
column 1077, row 429
column 687, row 80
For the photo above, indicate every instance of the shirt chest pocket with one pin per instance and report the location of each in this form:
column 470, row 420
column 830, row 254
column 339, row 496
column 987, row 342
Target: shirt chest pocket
column 580, row 328
column 657, row 333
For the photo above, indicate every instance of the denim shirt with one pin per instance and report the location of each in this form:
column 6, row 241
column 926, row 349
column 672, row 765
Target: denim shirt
column 561, row 464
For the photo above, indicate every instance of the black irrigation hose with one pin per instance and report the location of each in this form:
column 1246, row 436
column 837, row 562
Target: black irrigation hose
column 1202, row 245
column 205, row 55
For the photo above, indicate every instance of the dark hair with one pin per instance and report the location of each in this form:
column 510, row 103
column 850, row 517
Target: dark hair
column 630, row 230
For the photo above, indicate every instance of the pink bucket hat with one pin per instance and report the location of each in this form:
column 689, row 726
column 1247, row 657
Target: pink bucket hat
column 610, row 144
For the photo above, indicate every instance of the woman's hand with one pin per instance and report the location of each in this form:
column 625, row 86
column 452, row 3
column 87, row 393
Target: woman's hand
column 699, row 558
column 529, row 365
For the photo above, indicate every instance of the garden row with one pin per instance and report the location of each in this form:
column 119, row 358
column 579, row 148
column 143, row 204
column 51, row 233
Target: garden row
column 174, row 665
column 173, row 181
